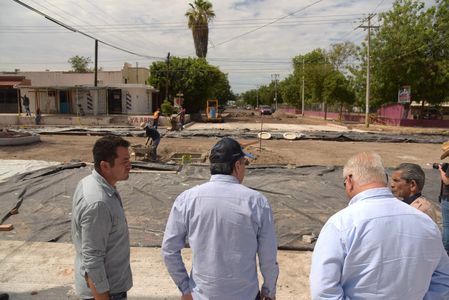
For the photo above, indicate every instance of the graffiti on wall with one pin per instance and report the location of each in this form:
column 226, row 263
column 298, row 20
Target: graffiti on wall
column 136, row 120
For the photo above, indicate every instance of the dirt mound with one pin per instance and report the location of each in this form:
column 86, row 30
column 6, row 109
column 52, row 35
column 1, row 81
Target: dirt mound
column 240, row 113
column 283, row 115
column 5, row 133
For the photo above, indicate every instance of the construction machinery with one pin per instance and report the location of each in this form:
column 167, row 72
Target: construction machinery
column 212, row 112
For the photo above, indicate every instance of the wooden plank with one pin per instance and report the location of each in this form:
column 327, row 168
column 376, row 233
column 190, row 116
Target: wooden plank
column 6, row 227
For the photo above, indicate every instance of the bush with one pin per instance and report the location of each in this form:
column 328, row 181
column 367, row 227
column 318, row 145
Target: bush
column 167, row 108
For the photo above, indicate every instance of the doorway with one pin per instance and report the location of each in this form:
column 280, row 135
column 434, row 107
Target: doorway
column 63, row 102
column 114, row 101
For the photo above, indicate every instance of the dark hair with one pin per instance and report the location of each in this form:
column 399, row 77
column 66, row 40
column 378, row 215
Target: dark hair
column 105, row 149
column 412, row 172
column 222, row 168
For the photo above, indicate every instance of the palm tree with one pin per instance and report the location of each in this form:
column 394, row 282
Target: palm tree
column 199, row 15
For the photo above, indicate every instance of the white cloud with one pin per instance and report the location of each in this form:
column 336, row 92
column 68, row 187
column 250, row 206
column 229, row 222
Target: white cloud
column 31, row 42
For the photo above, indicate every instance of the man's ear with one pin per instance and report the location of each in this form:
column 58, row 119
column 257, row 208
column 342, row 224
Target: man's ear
column 104, row 166
column 413, row 186
column 235, row 166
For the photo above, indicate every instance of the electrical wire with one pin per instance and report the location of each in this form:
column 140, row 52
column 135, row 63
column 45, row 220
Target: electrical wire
column 82, row 32
column 268, row 24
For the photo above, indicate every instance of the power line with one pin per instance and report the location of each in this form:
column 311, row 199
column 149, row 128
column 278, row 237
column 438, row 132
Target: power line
column 92, row 3
column 224, row 21
column 79, row 26
column 81, row 32
column 375, row 9
column 138, row 28
column 265, row 25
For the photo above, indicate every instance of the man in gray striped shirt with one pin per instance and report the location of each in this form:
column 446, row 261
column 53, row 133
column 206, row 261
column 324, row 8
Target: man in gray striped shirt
column 99, row 228
column 226, row 225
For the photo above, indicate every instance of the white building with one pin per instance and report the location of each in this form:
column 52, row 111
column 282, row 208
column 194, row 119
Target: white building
column 116, row 92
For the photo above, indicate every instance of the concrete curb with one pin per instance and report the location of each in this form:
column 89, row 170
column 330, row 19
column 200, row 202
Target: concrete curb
column 24, row 140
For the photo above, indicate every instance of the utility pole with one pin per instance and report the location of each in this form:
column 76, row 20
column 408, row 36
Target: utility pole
column 302, row 89
column 368, row 69
column 276, row 77
column 257, row 97
column 96, row 63
column 167, row 77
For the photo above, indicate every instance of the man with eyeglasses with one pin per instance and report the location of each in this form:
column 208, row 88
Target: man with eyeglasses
column 377, row 247
column 226, row 225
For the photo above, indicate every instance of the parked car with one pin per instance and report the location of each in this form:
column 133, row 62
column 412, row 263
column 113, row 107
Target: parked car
column 265, row 110
column 431, row 113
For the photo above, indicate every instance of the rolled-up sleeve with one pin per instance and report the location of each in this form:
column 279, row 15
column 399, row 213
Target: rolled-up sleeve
column 174, row 241
column 267, row 252
column 96, row 224
column 327, row 264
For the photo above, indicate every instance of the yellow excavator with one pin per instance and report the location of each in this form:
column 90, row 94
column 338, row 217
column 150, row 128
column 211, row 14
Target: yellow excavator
column 212, row 113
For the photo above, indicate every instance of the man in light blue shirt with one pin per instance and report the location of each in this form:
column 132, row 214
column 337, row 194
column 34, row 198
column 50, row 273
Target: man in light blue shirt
column 226, row 225
column 378, row 247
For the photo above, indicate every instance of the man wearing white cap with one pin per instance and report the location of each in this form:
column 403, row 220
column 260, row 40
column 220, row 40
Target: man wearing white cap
column 226, row 225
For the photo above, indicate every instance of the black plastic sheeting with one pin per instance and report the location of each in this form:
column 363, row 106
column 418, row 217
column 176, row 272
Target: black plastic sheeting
column 320, row 135
column 245, row 133
column 302, row 199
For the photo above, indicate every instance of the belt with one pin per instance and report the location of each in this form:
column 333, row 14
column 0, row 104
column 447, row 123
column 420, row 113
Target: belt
column 121, row 295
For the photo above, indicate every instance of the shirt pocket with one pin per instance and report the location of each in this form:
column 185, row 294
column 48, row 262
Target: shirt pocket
column 118, row 222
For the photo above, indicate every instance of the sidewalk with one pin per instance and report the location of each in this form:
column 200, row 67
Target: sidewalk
column 36, row 270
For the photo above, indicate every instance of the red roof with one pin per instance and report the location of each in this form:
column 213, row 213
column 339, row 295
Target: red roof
column 9, row 83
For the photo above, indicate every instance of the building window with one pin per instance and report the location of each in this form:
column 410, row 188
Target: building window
column 51, row 93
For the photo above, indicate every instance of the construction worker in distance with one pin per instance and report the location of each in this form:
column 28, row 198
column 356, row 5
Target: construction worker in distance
column 156, row 116
column 153, row 134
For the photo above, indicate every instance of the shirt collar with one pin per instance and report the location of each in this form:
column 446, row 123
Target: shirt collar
column 410, row 199
column 109, row 189
column 371, row 193
column 224, row 178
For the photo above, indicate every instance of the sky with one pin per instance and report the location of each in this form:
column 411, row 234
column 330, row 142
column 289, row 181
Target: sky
column 250, row 40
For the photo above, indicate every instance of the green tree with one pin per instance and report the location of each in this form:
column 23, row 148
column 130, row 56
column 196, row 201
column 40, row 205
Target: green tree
column 407, row 50
column 290, row 89
column 340, row 53
column 80, row 64
column 250, row 97
column 167, row 108
column 265, row 93
column 440, row 51
column 198, row 16
column 324, row 82
column 195, row 78
column 338, row 91
column 316, row 68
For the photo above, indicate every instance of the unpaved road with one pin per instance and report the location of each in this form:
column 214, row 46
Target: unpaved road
column 295, row 266
column 64, row 148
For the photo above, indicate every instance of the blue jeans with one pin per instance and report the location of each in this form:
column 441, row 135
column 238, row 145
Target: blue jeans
column 445, row 214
